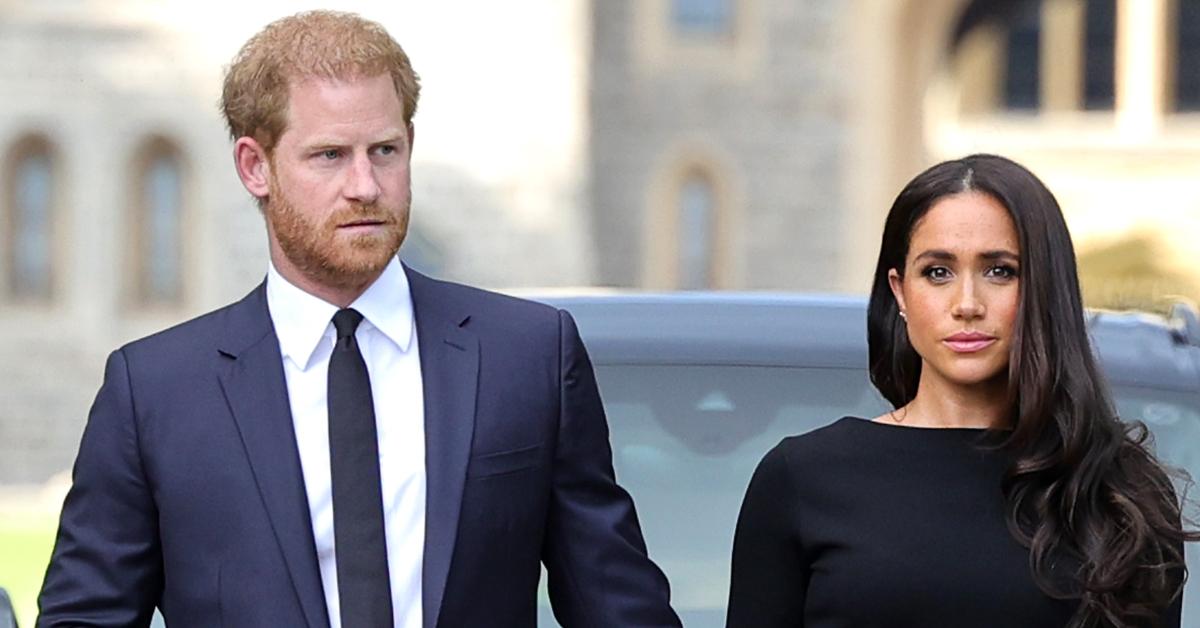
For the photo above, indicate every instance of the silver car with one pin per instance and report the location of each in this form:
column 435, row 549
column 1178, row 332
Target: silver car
column 699, row 386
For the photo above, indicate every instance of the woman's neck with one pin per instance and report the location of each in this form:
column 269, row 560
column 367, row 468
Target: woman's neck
column 940, row 403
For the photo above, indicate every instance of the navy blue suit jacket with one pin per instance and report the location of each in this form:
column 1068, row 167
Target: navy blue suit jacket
column 188, row 493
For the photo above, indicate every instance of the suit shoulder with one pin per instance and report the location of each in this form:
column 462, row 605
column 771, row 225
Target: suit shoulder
column 497, row 305
column 205, row 331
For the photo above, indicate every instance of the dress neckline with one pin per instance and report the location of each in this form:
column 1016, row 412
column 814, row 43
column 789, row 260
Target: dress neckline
column 921, row 428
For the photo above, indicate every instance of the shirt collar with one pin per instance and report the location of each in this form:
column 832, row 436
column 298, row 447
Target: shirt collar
column 301, row 320
column 387, row 304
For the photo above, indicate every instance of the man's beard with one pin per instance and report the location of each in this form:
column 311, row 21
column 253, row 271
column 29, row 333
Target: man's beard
column 333, row 259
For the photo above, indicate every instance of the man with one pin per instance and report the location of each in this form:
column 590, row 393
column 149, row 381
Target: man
column 352, row 444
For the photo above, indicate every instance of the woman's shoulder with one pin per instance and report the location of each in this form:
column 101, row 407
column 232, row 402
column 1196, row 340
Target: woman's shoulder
column 805, row 462
column 822, row 445
column 843, row 430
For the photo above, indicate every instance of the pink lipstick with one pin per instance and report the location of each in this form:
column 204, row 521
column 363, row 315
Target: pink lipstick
column 969, row 341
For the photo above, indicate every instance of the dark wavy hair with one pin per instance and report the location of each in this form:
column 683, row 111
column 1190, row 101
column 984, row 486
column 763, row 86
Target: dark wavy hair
column 1084, row 488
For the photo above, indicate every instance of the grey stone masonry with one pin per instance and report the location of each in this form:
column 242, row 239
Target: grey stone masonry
column 772, row 116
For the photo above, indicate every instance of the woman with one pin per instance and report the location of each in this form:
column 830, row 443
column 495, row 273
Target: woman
column 1003, row 490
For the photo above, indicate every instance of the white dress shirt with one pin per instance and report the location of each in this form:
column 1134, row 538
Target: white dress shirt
column 387, row 338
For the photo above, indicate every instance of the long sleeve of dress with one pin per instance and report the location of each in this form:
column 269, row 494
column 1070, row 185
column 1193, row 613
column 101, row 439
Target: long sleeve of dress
column 769, row 577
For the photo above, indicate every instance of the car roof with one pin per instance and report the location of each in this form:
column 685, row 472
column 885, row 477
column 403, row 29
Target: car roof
column 1146, row 350
column 722, row 328
column 824, row 331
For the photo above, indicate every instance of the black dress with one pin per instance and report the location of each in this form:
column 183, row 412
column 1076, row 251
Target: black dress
column 862, row 525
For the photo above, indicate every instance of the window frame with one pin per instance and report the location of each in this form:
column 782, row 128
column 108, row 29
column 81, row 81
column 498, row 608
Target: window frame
column 31, row 145
column 139, row 293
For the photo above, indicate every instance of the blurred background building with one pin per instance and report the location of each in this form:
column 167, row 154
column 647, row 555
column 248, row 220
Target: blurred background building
column 660, row 144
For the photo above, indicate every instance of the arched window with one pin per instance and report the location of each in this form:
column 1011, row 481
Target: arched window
column 691, row 223
column 30, row 217
column 697, row 205
column 157, row 225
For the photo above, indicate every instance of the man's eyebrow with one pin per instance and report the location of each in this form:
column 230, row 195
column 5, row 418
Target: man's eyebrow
column 391, row 137
column 322, row 143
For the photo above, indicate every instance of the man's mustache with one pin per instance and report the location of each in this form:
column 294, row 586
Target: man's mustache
column 362, row 212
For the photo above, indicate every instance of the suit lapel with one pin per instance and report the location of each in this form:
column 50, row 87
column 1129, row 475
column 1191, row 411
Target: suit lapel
column 449, row 373
column 256, row 390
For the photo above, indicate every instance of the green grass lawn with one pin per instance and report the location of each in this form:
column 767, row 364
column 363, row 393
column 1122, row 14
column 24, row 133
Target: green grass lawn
column 25, row 544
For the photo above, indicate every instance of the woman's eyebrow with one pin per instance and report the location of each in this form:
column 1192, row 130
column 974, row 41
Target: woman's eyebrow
column 937, row 254
column 1000, row 254
column 947, row 256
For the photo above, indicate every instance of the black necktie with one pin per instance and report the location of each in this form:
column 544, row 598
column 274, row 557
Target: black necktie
column 360, row 550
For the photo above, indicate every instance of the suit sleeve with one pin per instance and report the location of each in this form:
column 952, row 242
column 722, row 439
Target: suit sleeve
column 599, row 572
column 106, row 568
column 769, row 579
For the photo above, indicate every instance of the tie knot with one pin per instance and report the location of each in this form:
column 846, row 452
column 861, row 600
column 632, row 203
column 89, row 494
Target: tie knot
column 345, row 322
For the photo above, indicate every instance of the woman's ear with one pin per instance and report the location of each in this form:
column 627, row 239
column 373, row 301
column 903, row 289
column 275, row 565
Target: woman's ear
column 896, row 282
column 253, row 166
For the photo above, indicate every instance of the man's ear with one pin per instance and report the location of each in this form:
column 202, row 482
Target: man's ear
column 896, row 282
column 412, row 136
column 253, row 167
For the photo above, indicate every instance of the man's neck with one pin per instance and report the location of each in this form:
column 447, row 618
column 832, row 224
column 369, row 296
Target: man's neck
column 339, row 295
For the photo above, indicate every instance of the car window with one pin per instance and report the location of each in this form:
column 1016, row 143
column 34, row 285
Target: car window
column 1174, row 419
column 687, row 438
